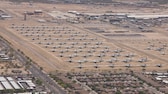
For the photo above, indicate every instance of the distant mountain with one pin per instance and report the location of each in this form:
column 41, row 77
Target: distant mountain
column 70, row 1
column 84, row 1
column 159, row 1
column 45, row 1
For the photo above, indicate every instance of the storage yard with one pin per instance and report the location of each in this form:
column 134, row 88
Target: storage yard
column 83, row 50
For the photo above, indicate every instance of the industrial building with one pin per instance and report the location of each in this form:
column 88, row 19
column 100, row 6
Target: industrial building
column 27, row 84
column 8, row 83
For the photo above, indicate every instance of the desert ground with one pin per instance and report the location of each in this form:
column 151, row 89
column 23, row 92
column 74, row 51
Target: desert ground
column 64, row 46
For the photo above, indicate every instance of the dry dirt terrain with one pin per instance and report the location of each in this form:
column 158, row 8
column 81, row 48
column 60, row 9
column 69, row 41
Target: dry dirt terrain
column 76, row 47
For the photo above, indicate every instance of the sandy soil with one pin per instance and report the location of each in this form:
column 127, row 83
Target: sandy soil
column 46, row 45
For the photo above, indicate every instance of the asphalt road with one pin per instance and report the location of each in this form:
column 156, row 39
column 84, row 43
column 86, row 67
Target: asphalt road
column 36, row 72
